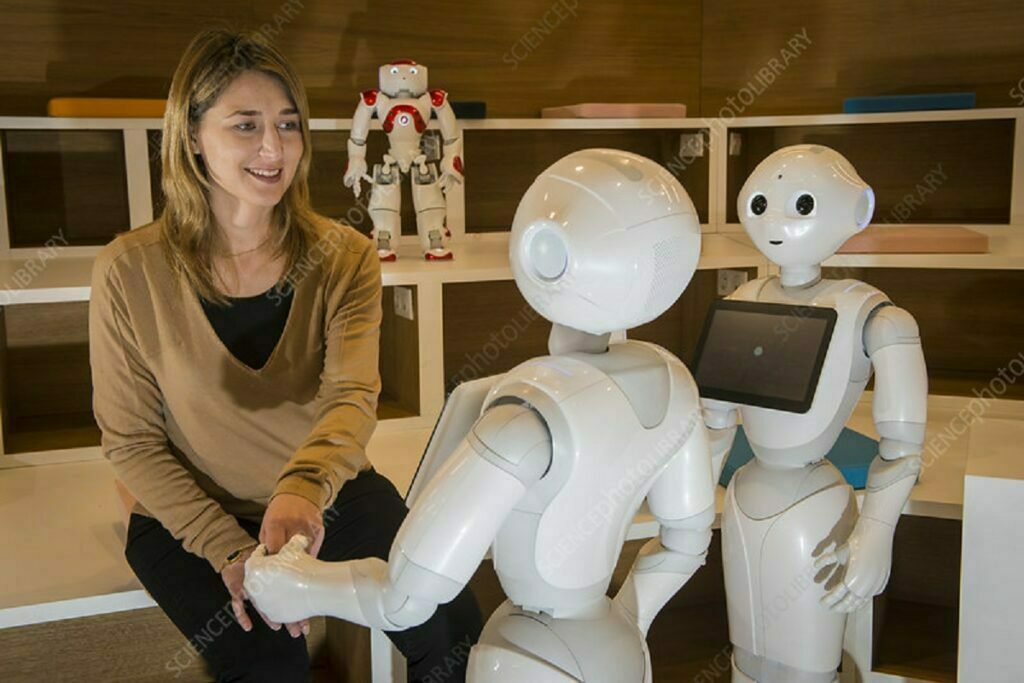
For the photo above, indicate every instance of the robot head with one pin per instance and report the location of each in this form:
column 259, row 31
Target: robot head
column 604, row 240
column 403, row 78
column 802, row 202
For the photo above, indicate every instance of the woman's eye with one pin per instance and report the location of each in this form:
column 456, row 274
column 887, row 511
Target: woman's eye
column 245, row 126
column 289, row 125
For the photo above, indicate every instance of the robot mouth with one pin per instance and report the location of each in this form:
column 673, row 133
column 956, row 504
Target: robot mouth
column 775, row 242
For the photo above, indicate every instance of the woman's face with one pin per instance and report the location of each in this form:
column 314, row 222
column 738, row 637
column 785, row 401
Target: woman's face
column 251, row 140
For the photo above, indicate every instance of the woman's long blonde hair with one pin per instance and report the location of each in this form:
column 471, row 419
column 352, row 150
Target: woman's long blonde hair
column 211, row 62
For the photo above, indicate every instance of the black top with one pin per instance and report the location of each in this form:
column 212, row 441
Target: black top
column 252, row 325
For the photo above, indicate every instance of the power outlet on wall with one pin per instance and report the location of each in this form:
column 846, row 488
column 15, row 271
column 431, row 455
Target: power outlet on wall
column 403, row 303
column 730, row 280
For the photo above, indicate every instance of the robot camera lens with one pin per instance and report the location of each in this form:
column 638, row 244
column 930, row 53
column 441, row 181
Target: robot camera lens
column 758, row 204
column 805, row 204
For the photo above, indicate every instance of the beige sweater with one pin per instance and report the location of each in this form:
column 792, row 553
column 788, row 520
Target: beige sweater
column 197, row 436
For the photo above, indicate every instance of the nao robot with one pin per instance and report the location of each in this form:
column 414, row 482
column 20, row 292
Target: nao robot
column 403, row 104
column 547, row 464
column 798, row 557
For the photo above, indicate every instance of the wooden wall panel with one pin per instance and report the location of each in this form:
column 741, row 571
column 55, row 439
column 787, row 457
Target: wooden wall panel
column 521, row 55
column 876, row 47
column 517, row 55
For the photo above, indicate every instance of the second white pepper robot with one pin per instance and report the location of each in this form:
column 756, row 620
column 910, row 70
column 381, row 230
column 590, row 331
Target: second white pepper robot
column 792, row 354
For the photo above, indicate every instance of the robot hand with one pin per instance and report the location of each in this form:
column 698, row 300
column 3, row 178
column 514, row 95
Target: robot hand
column 355, row 174
column 277, row 584
column 862, row 566
column 451, row 172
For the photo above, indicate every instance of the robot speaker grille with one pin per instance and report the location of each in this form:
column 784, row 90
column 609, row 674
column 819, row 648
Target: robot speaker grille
column 670, row 275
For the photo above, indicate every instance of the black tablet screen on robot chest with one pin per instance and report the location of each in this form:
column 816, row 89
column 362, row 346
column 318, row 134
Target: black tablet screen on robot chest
column 761, row 354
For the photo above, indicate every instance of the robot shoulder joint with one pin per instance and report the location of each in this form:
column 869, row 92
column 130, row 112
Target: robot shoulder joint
column 889, row 325
column 516, row 439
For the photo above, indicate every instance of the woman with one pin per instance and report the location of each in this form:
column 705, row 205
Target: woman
column 234, row 348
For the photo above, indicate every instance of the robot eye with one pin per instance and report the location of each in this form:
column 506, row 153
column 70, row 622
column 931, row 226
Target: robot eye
column 805, row 204
column 394, row 70
column 413, row 71
column 758, row 204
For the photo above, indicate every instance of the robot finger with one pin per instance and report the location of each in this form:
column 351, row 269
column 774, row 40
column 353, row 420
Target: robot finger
column 835, row 596
column 260, row 551
column 297, row 545
column 839, row 556
column 850, row 603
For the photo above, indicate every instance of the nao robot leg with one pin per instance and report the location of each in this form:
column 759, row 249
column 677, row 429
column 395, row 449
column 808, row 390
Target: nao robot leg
column 385, row 209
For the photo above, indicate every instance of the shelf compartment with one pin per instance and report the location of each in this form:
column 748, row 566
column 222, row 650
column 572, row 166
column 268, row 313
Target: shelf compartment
column 916, row 618
column 923, row 172
column 488, row 329
column 47, row 383
column 971, row 321
column 502, row 164
column 65, row 187
column 399, row 360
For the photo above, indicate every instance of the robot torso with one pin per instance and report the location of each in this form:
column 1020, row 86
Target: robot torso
column 404, row 119
column 616, row 419
column 788, row 439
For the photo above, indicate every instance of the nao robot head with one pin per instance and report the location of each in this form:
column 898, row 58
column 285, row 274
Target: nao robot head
column 802, row 202
column 604, row 240
column 402, row 78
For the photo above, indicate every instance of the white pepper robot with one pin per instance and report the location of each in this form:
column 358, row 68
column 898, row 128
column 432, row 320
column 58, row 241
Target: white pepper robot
column 403, row 104
column 792, row 354
column 548, row 464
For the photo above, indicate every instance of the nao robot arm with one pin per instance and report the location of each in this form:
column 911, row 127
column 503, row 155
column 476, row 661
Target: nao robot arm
column 892, row 341
column 451, row 159
column 682, row 499
column 355, row 172
column 438, row 547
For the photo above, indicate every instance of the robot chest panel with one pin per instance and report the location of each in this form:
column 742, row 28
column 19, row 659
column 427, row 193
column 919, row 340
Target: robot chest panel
column 406, row 117
column 844, row 371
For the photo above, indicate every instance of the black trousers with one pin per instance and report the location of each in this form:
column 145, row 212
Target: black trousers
column 362, row 523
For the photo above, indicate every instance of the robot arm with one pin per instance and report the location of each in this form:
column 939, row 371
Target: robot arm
column 439, row 546
column 892, row 341
column 721, row 418
column 451, row 161
column 683, row 501
column 355, row 171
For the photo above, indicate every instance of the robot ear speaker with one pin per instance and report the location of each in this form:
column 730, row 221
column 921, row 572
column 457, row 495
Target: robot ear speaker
column 865, row 208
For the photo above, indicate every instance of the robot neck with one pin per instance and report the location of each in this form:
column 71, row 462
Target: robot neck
column 800, row 276
column 564, row 340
